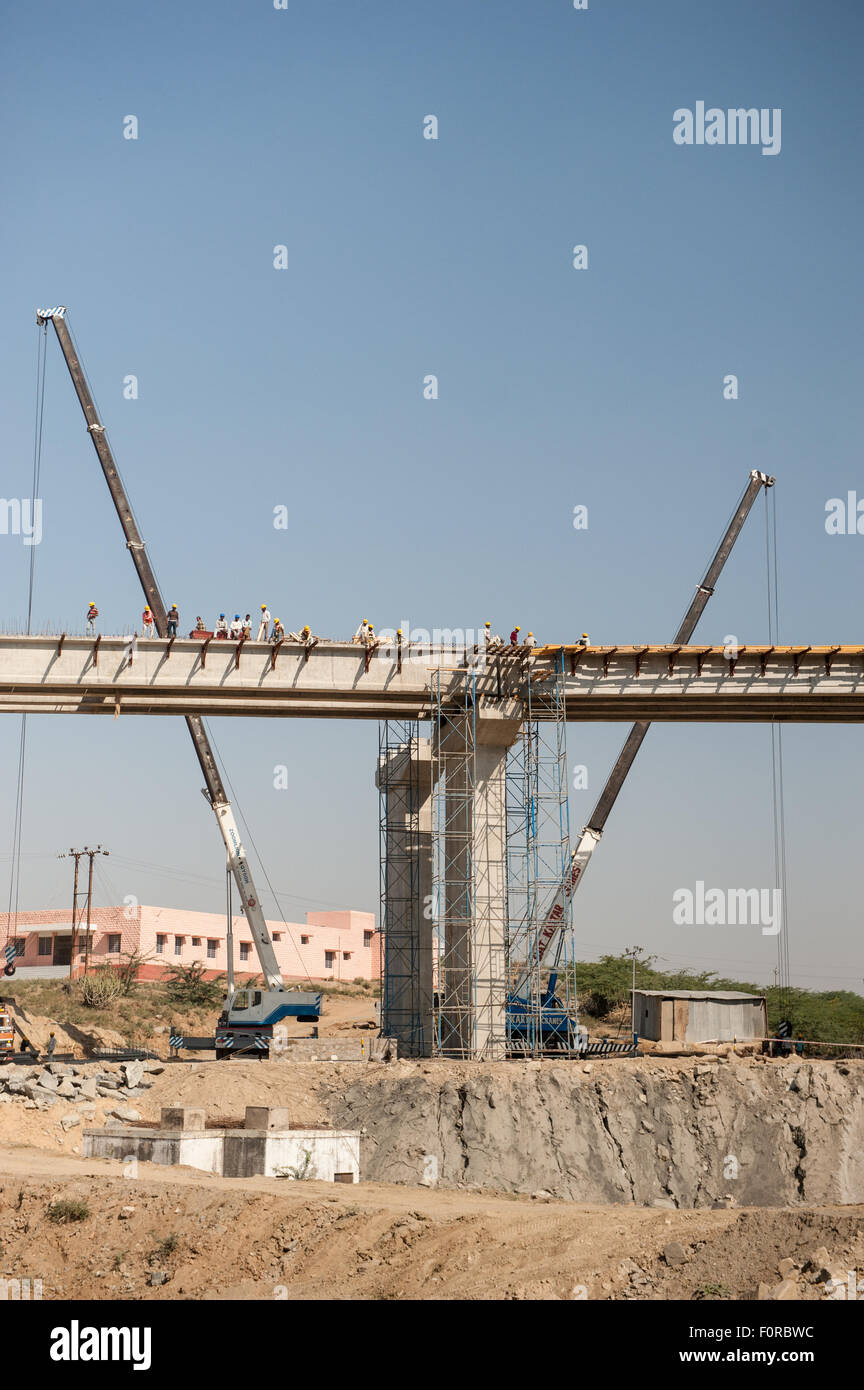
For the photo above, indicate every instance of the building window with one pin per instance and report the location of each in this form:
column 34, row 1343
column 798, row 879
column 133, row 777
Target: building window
column 196, row 941
column 160, row 943
column 46, row 945
column 114, row 945
column 367, row 938
column 244, row 949
column 19, row 945
column 304, row 941
column 178, row 945
column 346, row 955
column 277, row 936
column 329, row 960
column 211, row 950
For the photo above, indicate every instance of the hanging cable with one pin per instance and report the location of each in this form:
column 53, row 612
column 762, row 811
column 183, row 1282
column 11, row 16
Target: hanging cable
column 15, row 869
column 777, row 779
column 235, row 803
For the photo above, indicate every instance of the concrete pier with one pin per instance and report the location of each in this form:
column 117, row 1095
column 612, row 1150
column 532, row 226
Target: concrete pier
column 472, row 758
column 405, row 779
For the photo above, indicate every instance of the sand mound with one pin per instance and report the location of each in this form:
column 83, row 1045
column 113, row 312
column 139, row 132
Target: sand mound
column 70, row 1037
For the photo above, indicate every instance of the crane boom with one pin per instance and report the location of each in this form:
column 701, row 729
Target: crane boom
column 547, row 945
column 215, row 790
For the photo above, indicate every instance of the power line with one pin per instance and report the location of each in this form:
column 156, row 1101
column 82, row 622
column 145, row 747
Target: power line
column 18, row 823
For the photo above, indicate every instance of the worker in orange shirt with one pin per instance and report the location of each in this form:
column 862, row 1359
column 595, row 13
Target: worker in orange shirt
column 147, row 623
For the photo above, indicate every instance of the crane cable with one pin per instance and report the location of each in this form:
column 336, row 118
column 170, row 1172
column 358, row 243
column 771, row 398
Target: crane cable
column 777, row 780
column 15, row 867
column 240, row 816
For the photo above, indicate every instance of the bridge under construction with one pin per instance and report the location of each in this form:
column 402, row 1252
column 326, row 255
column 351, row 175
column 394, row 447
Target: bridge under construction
column 62, row 674
column 477, row 868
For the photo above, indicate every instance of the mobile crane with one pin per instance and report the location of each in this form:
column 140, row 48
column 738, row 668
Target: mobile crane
column 541, row 1021
column 246, row 1023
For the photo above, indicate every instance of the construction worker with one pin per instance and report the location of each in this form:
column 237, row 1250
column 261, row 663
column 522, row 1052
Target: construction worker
column 360, row 634
column 491, row 641
column 200, row 625
column 514, row 636
column 52, row 1044
column 584, row 640
column 147, row 623
column 236, row 628
column 264, row 624
column 370, row 639
column 529, row 641
column 172, row 618
column 221, row 628
column 307, row 638
column 247, row 626
column 92, row 615
column 278, row 633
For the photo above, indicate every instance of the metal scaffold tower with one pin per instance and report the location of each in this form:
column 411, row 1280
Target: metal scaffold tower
column 405, row 885
column 538, row 862
column 453, row 780
column 469, row 833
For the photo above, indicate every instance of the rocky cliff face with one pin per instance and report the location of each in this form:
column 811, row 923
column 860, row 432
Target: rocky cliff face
column 683, row 1134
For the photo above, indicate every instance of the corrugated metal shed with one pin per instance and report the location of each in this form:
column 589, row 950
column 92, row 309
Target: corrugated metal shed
column 691, row 1015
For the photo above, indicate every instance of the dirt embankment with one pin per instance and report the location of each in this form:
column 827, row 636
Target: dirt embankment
column 676, row 1133
column 681, row 1133
column 192, row 1236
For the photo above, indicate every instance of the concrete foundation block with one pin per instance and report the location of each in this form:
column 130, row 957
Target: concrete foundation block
column 183, row 1117
column 267, row 1117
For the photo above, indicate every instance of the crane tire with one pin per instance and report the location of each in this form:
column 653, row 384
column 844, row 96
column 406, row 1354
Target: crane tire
column 9, row 970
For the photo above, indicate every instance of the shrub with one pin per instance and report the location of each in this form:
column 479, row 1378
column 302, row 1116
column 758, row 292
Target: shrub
column 101, row 988
column 185, row 984
column 68, row 1209
column 303, row 1172
column 165, row 1247
column 127, row 971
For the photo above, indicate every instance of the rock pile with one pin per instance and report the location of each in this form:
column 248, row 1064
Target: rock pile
column 83, row 1084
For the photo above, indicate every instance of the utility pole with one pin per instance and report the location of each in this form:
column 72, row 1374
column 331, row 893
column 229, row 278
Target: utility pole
column 633, row 952
column 77, row 855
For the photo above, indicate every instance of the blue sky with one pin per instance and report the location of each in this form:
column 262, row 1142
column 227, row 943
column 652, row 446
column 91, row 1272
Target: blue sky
column 557, row 387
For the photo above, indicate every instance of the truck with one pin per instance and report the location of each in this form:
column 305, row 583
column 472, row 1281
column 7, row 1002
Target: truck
column 7, row 1034
column 246, row 1023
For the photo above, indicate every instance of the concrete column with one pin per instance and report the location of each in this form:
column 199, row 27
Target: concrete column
column 498, row 727
column 473, row 759
column 408, row 926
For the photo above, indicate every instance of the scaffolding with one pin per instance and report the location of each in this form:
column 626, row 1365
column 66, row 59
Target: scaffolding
column 404, row 844
column 541, row 1021
column 453, row 784
column 470, row 736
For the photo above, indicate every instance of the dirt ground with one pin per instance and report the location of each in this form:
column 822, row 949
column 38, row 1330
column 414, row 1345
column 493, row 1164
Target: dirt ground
column 206, row 1237
column 174, row 1233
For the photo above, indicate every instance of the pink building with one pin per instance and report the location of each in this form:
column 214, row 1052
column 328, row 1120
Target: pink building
column 344, row 945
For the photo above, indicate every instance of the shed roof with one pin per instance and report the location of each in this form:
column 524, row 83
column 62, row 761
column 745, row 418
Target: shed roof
column 727, row 995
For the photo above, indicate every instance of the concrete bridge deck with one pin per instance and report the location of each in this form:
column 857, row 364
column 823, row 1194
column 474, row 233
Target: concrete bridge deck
column 86, row 675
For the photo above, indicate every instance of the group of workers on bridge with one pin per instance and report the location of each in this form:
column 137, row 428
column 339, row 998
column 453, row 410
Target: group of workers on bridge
column 271, row 630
